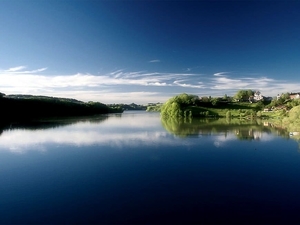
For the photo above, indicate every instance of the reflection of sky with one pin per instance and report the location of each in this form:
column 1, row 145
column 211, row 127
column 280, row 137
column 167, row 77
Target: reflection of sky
column 221, row 140
column 131, row 130
column 19, row 140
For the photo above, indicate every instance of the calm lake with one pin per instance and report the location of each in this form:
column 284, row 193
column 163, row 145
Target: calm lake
column 134, row 168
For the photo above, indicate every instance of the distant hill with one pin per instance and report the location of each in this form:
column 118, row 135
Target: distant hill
column 43, row 98
column 24, row 107
column 131, row 106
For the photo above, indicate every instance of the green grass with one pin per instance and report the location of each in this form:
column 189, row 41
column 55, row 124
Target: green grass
column 236, row 110
column 278, row 114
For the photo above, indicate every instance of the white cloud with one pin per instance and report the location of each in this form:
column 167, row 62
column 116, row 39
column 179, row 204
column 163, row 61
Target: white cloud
column 124, row 97
column 224, row 83
column 14, row 69
column 154, row 61
column 35, row 71
column 20, row 70
column 198, row 85
column 219, row 74
column 138, row 86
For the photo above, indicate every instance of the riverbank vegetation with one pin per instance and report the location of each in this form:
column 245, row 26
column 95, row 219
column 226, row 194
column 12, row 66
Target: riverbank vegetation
column 282, row 111
column 24, row 107
column 185, row 105
column 131, row 106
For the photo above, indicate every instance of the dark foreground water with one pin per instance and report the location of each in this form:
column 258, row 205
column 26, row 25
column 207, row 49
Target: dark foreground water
column 136, row 169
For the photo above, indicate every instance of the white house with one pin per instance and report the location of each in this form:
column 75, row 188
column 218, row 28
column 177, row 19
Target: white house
column 294, row 96
column 258, row 96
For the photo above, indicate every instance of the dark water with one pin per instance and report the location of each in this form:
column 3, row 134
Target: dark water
column 136, row 169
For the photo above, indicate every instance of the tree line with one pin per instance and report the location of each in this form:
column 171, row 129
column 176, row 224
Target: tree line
column 242, row 104
column 21, row 107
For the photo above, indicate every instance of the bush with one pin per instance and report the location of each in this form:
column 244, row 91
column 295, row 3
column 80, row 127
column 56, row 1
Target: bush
column 292, row 122
column 174, row 107
column 258, row 114
column 228, row 114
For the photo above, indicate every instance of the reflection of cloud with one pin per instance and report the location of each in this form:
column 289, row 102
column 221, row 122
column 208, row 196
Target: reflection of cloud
column 136, row 132
column 221, row 140
column 22, row 140
column 217, row 144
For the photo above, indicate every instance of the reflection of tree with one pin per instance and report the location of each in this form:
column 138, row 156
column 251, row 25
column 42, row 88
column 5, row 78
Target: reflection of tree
column 3, row 126
column 243, row 129
column 296, row 136
column 249, row 134
column 179, row 126
column 49, row 123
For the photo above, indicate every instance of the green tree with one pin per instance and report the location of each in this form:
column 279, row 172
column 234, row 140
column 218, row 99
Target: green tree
column 295, row 102
column 214, row 101
column 294, row 114
column 285, row 96
column 175, row 107
column 292, row 122
column 258, row 114
column 228, row 114
column 260, row 105
column 205, row 99
column 243, row 95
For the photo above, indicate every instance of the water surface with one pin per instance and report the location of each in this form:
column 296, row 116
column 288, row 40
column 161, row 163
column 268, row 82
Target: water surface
column 135, row 168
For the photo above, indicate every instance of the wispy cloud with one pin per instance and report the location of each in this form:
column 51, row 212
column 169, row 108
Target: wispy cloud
column 14, row 69
column 137, row 86
column 224, row 83
column 183, row 83
column 35, row 71
column 220, row 74
column 20, row 70
column 154, row 61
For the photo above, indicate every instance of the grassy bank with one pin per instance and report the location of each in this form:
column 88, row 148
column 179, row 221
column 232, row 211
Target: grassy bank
column 232, row 110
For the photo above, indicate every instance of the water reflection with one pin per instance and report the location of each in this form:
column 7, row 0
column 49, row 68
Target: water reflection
column 130, row 165
column 242, row 129
column 48, row 123
column 132, row 130
column 113, row 130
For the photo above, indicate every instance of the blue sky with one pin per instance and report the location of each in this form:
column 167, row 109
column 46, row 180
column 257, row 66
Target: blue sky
column 148, row 51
